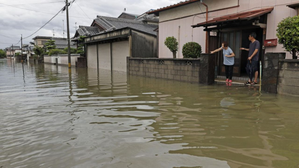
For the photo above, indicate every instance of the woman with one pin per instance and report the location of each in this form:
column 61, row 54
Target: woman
column 228, row 60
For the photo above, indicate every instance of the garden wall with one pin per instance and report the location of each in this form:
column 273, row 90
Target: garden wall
column 200, row 70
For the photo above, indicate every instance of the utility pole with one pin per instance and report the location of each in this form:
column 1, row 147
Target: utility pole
column 68, row 33
column 21, row 47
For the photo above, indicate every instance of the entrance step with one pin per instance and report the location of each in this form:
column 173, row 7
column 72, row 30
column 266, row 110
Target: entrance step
column 236, row 80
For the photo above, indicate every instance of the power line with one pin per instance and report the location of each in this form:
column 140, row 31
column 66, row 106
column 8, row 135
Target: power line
column 26, row 9
column 45, row 23
column 83, row 11
column 37, row 3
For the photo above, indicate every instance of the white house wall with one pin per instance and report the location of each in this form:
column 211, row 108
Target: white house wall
column 181, row 29
column 92, row 56
column 195, row 8
column 179, row 18
column 120, row 52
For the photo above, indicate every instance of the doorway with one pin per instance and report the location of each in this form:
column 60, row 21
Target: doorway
column 237, row 39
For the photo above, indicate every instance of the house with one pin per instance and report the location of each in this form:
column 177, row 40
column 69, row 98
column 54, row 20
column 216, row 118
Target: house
column 61, row 43
column 11, row 51
column 226, row 20
column 117, row 39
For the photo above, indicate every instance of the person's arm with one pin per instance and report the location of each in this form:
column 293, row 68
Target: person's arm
column 231, row 55
column 253, row 54
column 246, row 49
column 217, row 50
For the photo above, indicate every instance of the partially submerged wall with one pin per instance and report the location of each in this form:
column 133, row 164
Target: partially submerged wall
column 61, row 59
column 288, row 83
column 186, row 70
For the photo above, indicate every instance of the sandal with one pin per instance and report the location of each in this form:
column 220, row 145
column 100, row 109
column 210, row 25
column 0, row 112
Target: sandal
column 248, row 83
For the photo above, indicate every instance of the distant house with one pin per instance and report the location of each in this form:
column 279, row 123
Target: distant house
column 11, row 51
column 60, row 43
column 116, row 39
column 228, row 20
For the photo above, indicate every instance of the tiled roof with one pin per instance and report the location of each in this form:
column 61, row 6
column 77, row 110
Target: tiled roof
column 172, row 6
column 237, row 16
column 110, row 24
column 87, row 30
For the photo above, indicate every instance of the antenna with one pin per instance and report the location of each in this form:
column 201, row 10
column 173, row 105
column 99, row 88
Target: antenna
column 75, row 26
column 63, row 28
column 53, row 33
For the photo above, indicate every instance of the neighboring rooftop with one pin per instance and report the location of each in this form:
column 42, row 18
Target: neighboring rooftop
column 110, row 23
column 86, row 31
column 126, row 15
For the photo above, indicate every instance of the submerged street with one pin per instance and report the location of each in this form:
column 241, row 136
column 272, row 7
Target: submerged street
column 50, row 118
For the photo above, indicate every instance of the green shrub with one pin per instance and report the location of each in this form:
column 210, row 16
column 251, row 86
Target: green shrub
column 288, row 34
column 172, row 44
column 73, row 50
column 56, row 52
column 2, row 53
column 191, row 50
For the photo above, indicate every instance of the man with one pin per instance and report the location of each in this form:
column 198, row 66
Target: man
column 253, row 59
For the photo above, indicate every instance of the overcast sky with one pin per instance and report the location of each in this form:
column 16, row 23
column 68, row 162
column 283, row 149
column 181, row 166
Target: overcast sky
column 26, row 16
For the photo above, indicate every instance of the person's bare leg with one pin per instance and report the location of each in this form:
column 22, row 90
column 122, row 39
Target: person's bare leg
column 256, row 76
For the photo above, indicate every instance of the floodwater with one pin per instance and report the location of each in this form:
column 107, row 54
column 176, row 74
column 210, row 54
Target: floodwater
column 50, row 118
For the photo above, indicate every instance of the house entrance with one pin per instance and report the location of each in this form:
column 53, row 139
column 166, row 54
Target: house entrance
column 237, row 39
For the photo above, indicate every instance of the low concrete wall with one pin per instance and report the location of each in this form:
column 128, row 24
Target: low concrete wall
column 288, row 83
column 271, row 71
column 200, row 70
column 61, row 59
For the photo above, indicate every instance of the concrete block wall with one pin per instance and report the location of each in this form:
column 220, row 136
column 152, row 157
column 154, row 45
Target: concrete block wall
column 271, row 71
column 288, row 83
column 185, row 70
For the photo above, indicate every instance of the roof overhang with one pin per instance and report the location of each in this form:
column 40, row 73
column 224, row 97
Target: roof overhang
column 294, row 6
column 157, row 11
column 242, row 16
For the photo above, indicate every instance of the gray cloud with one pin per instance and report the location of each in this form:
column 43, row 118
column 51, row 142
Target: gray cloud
column 25, row 17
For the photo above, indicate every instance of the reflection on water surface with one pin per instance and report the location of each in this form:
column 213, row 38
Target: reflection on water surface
column 50, row 118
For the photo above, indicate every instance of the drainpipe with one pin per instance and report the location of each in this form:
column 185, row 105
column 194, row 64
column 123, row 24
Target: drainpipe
column 207, row 16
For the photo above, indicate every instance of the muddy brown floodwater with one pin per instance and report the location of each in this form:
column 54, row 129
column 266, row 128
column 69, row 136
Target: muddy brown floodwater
column 52, row 119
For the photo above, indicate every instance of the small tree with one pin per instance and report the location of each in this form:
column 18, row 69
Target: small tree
column 50, row 44
column 80, row 48
column 56, row 51
column 38, row 51
column 288, row 34
column 2, row 53
column 172, row 44
column 191, row 50
column 72, row 50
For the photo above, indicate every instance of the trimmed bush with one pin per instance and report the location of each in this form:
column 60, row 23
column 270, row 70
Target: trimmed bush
column 288, row 34
column 172, row 44
column 56, row 52
column 191, row 50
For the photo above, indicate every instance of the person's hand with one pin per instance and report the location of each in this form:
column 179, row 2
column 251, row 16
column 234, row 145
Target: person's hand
column 249, row 58
column 226, row 55
column 242, row 48
column 212, row 52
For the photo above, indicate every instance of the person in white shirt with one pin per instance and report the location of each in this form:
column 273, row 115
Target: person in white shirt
column 228, row 60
